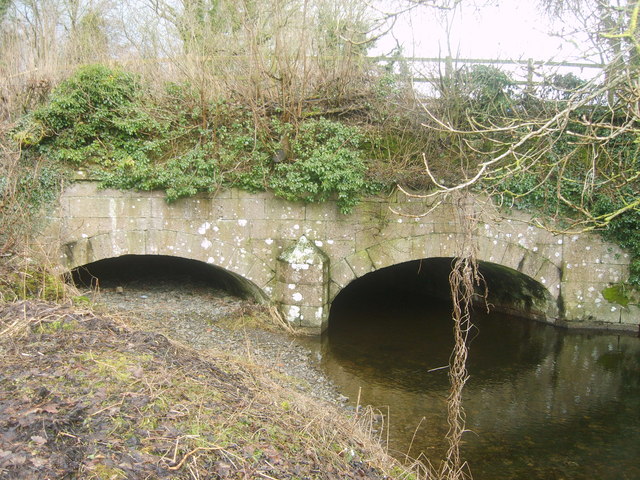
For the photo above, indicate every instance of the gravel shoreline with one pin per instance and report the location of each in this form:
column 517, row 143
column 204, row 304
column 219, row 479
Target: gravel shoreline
column 205, row 318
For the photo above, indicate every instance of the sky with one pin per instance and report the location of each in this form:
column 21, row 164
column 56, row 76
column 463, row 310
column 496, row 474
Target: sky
column 516, row 30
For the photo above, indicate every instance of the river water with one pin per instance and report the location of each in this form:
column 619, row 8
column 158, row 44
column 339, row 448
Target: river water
column 541, row 402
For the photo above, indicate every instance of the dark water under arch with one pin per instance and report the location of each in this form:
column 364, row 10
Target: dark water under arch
column 542, row 402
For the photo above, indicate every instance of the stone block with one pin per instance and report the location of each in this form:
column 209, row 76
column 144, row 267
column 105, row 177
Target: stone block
column 391, row 252
column 185, row 208
column 585, row 272
column 91, row 207
column 427, row 246
column 550, row 277
column 449, row 244
column 303, row 274
column 337, row 249
column 514, row 257
column 313, row 320
column 324, row 212
column 334, row 291
column 279, row 209
column 360, row 263
column 591, row 249
column 577, row 311
column 491, row 249
column 159, row 241
column 340, row 230
column 304, row 295
column 100, row 247
column 341, row 273
column 76, row 253
column 262, row 274
column 244, row 208
column 265, row 250
column 630, row 315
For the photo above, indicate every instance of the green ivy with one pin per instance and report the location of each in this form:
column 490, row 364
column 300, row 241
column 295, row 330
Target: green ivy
column 103, row 120
column 328, row 162
column 527, row 192
column 96, row 117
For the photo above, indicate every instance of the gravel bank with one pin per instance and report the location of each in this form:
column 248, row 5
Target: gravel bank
column 207, row 318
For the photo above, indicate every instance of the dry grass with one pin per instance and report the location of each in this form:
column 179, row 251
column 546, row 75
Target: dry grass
column 82, row 395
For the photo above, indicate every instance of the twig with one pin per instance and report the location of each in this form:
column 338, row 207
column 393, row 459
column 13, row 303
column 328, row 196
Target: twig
column 193, row 452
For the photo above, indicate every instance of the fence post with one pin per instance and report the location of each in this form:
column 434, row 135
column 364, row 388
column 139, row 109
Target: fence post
column 529, row 88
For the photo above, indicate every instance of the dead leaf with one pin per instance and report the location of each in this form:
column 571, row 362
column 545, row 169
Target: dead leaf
column 137, row 372
column 38, row 440
column 38, row 462
column 17, row 459
column 50, row 408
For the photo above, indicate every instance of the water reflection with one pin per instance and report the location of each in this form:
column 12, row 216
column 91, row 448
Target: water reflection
column 541, row 403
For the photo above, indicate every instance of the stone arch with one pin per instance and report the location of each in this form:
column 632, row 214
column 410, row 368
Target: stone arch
column 504, row 259
column 126, row 267
column 232, row 259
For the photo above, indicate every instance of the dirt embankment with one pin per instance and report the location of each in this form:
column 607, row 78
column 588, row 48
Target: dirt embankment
column 86, row 395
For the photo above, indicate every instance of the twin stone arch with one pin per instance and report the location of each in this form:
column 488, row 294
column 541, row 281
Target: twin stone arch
column 521, row 279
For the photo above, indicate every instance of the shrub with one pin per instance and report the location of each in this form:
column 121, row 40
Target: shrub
column 327, row 162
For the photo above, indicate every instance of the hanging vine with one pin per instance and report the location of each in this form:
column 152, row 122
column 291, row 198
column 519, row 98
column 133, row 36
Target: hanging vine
column 464, row 281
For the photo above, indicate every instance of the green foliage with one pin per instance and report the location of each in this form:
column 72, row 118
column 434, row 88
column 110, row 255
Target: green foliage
column 328, row 162
column 96, row 117
column 33, row 282
column 529, row 191
column 490, row 89
column 103, row 120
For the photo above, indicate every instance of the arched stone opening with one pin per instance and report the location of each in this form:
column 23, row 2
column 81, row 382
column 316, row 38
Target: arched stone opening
column 112, row 272
column 508, row 291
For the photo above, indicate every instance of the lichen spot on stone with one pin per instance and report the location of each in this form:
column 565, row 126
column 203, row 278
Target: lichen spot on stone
column 210, row 260
column 204, row 227
column 297, row 296
column 291, row 286
column 293, row 313
column 205, row 244
column 268, row 241
column 242, row 222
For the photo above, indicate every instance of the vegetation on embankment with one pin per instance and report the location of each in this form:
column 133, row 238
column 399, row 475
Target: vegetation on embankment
column 84, row 396
column 282, row 96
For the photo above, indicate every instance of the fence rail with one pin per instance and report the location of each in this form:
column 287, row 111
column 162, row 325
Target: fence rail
column 530, row 64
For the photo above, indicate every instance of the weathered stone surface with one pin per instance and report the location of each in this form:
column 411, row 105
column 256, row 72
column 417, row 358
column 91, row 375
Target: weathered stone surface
column 302, row 285
column 246, row 233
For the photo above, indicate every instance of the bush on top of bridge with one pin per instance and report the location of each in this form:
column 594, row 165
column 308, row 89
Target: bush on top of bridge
column 104, row 120
column 96, row 116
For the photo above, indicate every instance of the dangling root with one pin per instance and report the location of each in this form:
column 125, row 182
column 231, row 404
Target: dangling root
column 463, row 280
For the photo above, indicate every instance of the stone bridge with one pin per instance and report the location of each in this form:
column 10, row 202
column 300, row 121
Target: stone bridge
column 301, row 256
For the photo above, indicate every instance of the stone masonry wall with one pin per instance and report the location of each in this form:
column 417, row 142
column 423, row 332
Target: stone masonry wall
column 246, row 234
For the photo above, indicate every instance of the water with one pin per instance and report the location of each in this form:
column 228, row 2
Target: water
column 541, row 403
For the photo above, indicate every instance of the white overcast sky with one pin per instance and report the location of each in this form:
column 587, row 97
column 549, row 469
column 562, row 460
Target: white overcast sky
column 515, row 30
